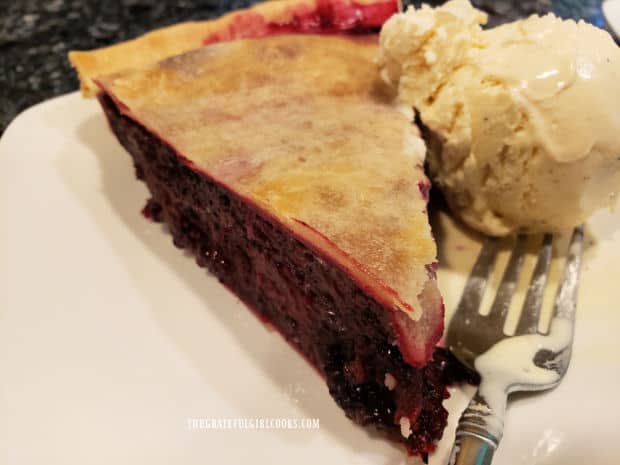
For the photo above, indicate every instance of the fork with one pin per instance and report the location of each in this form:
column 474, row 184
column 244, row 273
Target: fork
column 529, row 360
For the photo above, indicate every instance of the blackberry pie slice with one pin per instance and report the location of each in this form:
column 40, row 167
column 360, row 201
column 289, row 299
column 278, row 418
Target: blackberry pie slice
column 282, row 165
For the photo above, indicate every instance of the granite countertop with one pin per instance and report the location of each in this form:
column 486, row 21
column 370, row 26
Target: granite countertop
column 35, row 35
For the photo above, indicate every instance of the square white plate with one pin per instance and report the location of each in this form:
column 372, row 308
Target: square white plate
column 111, row 338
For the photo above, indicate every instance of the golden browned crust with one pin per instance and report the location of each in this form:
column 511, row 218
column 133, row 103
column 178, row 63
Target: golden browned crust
column 138, row 52
column 295, row 124
column 173, row 40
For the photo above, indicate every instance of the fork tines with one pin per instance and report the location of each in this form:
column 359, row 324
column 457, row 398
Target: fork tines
column 468, row 318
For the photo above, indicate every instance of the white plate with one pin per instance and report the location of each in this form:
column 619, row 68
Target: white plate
column 110, row 337
column 611, row 10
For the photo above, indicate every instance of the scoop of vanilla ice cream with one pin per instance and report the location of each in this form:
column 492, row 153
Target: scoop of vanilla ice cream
column 522, row 120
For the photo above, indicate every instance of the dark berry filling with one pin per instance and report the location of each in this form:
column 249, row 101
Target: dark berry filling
column 326, row 17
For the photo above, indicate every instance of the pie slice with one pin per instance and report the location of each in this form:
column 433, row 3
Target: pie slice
column 263, row 19
column 280, row 163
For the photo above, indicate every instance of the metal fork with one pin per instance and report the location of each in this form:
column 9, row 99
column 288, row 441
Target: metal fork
column 531, row 360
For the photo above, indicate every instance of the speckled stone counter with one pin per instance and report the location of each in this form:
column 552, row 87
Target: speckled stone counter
column 35, row 35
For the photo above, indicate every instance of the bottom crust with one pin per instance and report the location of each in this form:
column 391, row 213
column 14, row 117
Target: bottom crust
column 346, row 334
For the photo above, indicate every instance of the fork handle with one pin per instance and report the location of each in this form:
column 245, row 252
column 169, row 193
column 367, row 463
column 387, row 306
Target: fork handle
column 479, row 432
column 472, row 450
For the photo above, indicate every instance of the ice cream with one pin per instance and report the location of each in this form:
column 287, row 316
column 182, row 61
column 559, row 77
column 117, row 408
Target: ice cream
column 522, row 120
